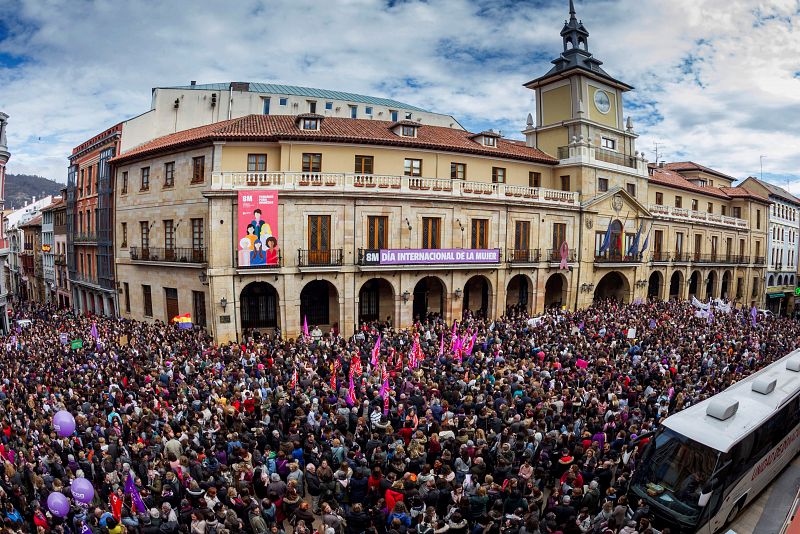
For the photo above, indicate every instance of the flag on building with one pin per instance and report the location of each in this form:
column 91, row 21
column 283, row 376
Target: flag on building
column 607, row 238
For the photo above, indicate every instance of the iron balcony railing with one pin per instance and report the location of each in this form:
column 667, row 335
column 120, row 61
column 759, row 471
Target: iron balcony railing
column 524, row 255
column 617, row 257
column 84, row 238
column 173, row 255
column 660, row 256
column 319, row 258
column 554, row 255
column 760, row 260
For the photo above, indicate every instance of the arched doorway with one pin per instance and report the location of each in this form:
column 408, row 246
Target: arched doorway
column 518, row 293
column 771, row 281
column 613, row 285
column 259, row 306
column 675, row 285
column 319, row 305
column 711, row 284
column 654, row 285
column 694, row 283
column 725, row 290
column 476, row 295
column 376, row 301
column 555, row 291
column 429, row 297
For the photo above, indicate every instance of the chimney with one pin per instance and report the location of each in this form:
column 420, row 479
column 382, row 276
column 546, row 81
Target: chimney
column 661, row 164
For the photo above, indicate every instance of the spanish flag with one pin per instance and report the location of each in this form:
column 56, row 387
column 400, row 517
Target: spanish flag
column 183, row 321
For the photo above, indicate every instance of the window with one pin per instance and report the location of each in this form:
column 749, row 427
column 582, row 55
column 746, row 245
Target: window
column 758, row 219
column 368, row 110
column 711, row 183
column 377, row 227
column 758, row 249
column 409, row 131
column 498, row 175
column 430, row 232
column 631, row 189
column 565, row 183
column 480, row 233
column 608, row 143
column 724, row 210
column 602, row 184
column 679, row 242
column 737, row 212
column 408, row 115
column 534, row 179
column 393, row 115
column 755, row 286
column 412, row 167
column 698, row 245
column 319, row 239
column 144, row 233
column 678, row 201
column 312, row 106
column 145, row 183
column 125, row 183
column 311, row 124
column 364, row 164
column 329, row 105
column 695, row 204
column 559, row 236
column 458, row 171
column 256, row 162
column 199, row 308
column 169, row 239
column 489, row 141
column 283, row 101
column 312, row 162
column 353, row 112
column 522, row 232
column 198, row 169
column 710, row 207
column 89, row 180
column 169, row 174
column 171, row 303
column 265, row 103
column 127, row 291
column 147, row 300
column 80, row 184
column 198, row 234
column 124, row 235
column 659, row 199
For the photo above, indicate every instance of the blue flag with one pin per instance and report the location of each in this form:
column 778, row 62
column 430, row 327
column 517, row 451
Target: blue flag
column 633, row 250
column 607, row 238
column 647, row 239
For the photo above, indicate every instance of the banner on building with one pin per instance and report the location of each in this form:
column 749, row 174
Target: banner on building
column 436, row 256
column 257, row 235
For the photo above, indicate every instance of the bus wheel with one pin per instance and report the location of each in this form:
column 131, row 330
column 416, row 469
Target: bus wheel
column 734, row 512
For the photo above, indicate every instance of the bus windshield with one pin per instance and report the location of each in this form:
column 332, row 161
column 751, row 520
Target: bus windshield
column 673, row 472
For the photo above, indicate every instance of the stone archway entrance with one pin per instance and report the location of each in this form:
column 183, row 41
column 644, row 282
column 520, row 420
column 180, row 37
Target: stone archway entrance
column 711, row 284
column 654, row 285
column 555, row 291
column 376, row 301
column 613, row 285
column 259, row 306
column 675, row 283
column 429, row 297
column 694, row 283
column 477, row 295
column 518, row 293
column 319, row 305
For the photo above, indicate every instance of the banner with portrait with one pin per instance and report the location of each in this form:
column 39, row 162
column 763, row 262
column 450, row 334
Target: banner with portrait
column 257, row 234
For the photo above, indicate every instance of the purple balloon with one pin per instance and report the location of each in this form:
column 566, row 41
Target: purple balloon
column 64, row 423
column 82, row 490
column 58, row 504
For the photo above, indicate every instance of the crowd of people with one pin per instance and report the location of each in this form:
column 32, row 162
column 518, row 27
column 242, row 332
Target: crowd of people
column 523, row 432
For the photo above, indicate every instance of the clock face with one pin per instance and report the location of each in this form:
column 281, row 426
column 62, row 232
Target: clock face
column 601, row 101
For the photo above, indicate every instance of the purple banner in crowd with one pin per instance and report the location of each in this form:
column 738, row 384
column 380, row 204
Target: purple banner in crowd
column 435, row 256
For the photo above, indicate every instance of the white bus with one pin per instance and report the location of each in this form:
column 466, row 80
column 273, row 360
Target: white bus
column 705, row 463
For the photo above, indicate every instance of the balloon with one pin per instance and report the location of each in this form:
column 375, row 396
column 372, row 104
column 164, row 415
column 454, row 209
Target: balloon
column 58, row 504
column 82, row 490
column 64, row 423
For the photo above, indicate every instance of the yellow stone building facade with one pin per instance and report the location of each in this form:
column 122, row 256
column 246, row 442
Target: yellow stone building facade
column 390, row 221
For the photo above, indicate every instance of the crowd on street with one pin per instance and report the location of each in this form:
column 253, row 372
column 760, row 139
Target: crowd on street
column 518, row 424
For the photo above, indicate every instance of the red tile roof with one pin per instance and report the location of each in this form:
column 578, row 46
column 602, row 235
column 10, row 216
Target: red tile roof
column 692, row 166
column 333, row 129
column 670, row 178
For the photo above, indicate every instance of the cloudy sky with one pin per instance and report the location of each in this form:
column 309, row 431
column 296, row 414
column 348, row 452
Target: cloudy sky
column 717, row 81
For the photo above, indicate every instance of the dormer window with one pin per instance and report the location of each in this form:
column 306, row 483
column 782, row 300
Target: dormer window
column 490, row 141
column 409, row 131
column 487, row 138
column 309, row 121
column 311, row 124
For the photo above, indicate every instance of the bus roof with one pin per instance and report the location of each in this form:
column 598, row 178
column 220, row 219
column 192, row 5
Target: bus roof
column 754, row 408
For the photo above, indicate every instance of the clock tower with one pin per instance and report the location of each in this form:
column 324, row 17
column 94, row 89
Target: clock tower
column 577, row 101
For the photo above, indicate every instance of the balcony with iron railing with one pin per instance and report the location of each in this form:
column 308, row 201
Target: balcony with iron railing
column 612, row 256
column 687, row 215
column 524, row 256
column 84, row 238
column 320, row 258
column 760, row 261
column 84, row 279
column 393, row 185
column 554, row 256
column 168, row 255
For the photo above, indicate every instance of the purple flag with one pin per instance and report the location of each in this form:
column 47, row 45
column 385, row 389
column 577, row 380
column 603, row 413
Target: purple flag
column 85, row 529
column 305, row 325
column 94, row 330
column 351, row 392
column 130, row 489
column 753, row 315
column 384, row 388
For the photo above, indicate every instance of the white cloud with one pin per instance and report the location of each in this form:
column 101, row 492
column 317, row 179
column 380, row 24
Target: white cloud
column 716, row 80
